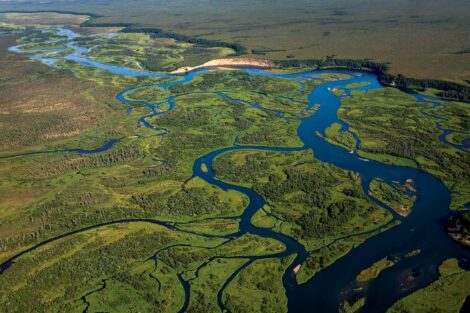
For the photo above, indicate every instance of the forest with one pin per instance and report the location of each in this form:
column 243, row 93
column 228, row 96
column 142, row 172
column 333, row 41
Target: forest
column 447, row 89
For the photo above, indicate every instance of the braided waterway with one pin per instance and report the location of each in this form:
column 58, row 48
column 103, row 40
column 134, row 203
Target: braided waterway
column 423, row 229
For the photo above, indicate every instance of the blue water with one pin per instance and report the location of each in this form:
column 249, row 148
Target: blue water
column 423, row 229
column 435, row 103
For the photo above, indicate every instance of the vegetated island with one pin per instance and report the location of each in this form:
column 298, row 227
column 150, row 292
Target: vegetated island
column 226, row 64
column 394, row 197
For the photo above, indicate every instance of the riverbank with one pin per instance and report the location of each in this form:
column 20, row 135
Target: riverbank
column 226, row 64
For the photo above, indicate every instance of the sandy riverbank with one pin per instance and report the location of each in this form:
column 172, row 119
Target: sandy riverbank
column 227, row 64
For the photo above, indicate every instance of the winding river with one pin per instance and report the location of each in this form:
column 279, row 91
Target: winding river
column 423, row 229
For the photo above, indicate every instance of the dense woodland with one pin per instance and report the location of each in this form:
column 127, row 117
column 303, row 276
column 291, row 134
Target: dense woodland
column 82, row 268
column 157, row 32
column 160, row 33
column 448, row 90
column 323, row 210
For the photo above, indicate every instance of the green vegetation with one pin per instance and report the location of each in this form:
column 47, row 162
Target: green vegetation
column 41, row 107
column 313, row 207
column 156, row 32
column 347, row 307
column 394, row 197
column 210, row 280
column 335, row 135
column 54, row 277
column 258, row 288
column 374, row 270
column 52, row 194
column 139, row 51
column 262, row 218
column 49, row 18
column 148, row 94
column 446, row 89
column 277, row 29
column 213, row 227
column 130, row 272
column 356, row 85
column 391, row 129
column 456, row 114
column 326, row 255
column 457, row 138
column 142, row 176
column 142, row 266
column 447, row 294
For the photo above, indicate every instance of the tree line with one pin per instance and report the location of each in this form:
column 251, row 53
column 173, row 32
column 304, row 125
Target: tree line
column 159, row 33
column 449, row 90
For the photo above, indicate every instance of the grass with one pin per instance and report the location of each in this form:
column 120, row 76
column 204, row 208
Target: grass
column 323, row 258
column 277, row 170
column 210, row 280
column 42, row 19
column 187, row 259
column 327, row 252
column 447, row 294
column 219, row 227
column 395, row 198
column 456, row 114
column 356, row 85
column 335, row 135
column 145, row 52
column 347, row 307
column 77, row 184
column 315, row 223
column 67, row 173
column 308, row 29
column 149, row 94
column 145, row 176
column 381, row 120
column 374, row 270
column 46, row 107
column 262, row 219
column 129, row 279
column 457, row 138
column 258, row 288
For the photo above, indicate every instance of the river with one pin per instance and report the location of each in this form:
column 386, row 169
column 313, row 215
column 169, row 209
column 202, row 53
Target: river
column 423, row 229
